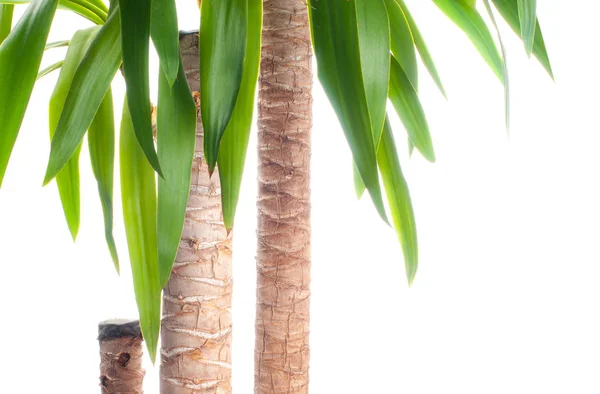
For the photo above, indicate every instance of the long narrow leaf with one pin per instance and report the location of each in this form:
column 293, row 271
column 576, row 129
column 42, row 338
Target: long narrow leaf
column 135, row 41
column 399, row 201
column 20, row 58
column 223, row 29
column 51, row 68
column 90, row 84
column 101, row 142
column 176, row 137
column 527, row 18
column 138, row 193
column 359, row 185
column 468, row 20
column 57, row 44
column 406, row 102
column 336, row 45
column 6, row 16
column 165, row 36
column 232, row 152
column 67, row 179
column 402, row 43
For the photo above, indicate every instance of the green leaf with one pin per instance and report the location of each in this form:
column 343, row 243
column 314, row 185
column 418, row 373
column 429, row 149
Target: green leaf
column 359, row 185
column 223, row 29
column 6, row 15
column 422, row 48
column 57, row 44
column 508, row 10
column 336, row 45
column 138, row 194
column 135, row 41
column 49, row 69
column 527, row 11
column 165, row 36
column 402, row 43
column 101, row 142
column 399, row 201
column 67, row 179
column 82, row 7
column 406, row 102
column 20, row 58
column 176, row 138
column 468, row 19
column 90, row 84
column 232, row 152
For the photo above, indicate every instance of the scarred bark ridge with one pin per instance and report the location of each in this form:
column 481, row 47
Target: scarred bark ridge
column 196, row 324
column 285, row 121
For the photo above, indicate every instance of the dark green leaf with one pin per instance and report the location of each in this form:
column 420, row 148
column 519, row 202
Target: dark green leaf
column 101, row 142
column 402, row 43
column 138, row 194
column 165, row 36
column 527, row 12
column 20, row 58
column 468, row 19
column 406, row 102
column 223, row 29
column 6, row 15
column 232, row 153
column 399, row 201
column 49, row 69
column 336, row 46
column 135, row 41
column 90, row 84
column 176, row 137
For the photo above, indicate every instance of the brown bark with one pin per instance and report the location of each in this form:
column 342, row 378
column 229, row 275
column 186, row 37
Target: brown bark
column 196, row 323
column 120, row 357
column 284, row 123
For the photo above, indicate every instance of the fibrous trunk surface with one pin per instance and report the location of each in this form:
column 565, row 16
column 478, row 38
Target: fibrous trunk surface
column 196, row 323
column 285, row 121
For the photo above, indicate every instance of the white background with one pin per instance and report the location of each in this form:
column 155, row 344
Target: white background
column 507, row 295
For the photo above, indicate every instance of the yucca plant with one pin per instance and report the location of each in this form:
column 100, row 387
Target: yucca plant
column 175, row 207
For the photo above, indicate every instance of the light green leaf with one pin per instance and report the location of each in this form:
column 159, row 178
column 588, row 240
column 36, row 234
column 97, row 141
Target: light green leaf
column 223, row 29
column 67, row 179
column 406, row 102
column 90, row 84
column 508, row 10
column 468, row 19
column 138, row 194
column 527, row 12
column 6, row 15
column 422, row 48
column 402, row 43
column 135, row 41
column 232, row 152
column 101, row 142
column 49, row 69
column 57, row 44
column 399, row 201
column 176, row 138
column 359, row 185
column 336, row 45
column 20, row 58
column 82, row 7
column 165, row 36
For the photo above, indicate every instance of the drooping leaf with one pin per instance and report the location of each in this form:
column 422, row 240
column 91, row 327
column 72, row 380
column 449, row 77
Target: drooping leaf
column 223, row 28
column 6, row 15
column 469, row 21
column 135, row 43
column 336, row 45
column 101, row 142
column 138, row 194
column 165, row 36
column 57, row 44
column 90, row 84
column 422, row 47
column 402, row 43
column 67, row 179
column 527, row 18
column 232, row 152
column 82, row 7
column 49, row 69
column 406, row 102
column 176, row 138
column 399, row 201
column 359, row 185
column 508, row 10
column 20, row 58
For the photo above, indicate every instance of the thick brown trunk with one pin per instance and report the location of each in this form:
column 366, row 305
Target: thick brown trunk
column 196, row 323
column 284, row 123
column 120, row 357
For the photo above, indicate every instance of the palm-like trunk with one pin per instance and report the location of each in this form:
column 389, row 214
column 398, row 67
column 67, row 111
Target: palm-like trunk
column 284, row 122
column 196, row 323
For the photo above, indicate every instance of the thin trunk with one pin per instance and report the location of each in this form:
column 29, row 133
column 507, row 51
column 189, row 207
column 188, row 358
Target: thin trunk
column 284, row 123
column 120, row 357
column 196, row 323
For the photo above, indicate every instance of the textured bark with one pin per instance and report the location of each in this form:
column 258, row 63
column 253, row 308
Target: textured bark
column 284, row 122
column 120, row 357
column 196, row 323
